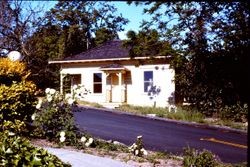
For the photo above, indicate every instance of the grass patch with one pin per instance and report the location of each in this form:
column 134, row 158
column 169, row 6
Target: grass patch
column 86, row 103
column 109, row 146
column 180, row 114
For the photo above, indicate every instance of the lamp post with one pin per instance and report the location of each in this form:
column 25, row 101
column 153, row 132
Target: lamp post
column 15, row 56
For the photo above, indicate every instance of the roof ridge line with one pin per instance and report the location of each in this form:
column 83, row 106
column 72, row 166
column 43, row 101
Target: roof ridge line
column 102, row 45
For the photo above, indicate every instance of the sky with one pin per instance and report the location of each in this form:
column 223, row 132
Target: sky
column 131, row 12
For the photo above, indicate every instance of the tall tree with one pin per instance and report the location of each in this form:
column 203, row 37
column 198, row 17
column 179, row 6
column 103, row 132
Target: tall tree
column 69, row 28
column 103, row 35
column 18, row 20
column 147, row 43
column 214, row 38
column 79, row 20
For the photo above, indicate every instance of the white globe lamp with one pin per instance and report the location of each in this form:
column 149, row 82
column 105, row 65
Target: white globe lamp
column 15, row 56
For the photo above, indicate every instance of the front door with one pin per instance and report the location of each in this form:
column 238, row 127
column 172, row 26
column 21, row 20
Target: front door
column 115, row 88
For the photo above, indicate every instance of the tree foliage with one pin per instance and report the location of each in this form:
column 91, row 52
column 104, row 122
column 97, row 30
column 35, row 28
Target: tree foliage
column 70, row 27
column 17, row 99
column 80, row 20
column 213, row 38
column 147, row 43
column 18, row 20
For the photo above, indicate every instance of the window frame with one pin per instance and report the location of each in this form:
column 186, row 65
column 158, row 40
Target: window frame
column 95, row 83
column 147, row 82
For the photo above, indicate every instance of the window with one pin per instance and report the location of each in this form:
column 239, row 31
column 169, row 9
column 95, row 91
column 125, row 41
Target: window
column 97, row 83
column 148, row 80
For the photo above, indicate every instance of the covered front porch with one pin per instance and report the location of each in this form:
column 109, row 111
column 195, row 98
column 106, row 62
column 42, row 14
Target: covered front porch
column 116, row 85
column 110, row 81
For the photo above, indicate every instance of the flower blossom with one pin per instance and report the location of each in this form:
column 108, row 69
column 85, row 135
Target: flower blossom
column 83, row 139
column 144, row 151
column 75, row 87
column 90, row 141
column 11, row 134
column 139, row 137
column 47, row 90
column 62, row 133
column 71, row 101
column 49, row 98
column 52, row 91
column 39, row 104
column 33, row 116
column 136, row 152
column 62, row 138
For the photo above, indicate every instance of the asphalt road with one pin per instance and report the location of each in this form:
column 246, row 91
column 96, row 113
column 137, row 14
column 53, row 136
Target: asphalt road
column 160, row 135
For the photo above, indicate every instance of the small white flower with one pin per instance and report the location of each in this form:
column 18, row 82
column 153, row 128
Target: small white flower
column 70, row 101
column 47, row 90
column 75, row 87
column 139, row 137
column 144, row 151
column 62, row 133
column 40, row 101
column 136, row 152
column 33, row 116
column 52, row 91
column 90, row 140
column 62, row 138
column 134, row 146
column 87, row 144
column 67, row 96
column 11, row 134
column 83, row 139
column 49, row 98
column 38, row 106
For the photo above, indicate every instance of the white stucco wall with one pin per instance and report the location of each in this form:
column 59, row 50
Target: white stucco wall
column 163, row 77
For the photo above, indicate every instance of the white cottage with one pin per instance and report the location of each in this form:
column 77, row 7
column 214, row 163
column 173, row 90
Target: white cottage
column 113, row 77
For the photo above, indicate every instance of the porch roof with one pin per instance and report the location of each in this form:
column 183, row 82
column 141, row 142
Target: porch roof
column 113, row 67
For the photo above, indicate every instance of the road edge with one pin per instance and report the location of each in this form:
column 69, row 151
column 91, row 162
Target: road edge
column 167, row 119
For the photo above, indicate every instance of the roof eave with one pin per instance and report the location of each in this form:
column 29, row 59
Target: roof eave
column 100, row 60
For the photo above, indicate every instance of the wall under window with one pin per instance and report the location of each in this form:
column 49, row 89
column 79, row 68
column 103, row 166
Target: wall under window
column 97, row 83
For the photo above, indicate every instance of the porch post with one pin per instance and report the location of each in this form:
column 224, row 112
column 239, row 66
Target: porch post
column 120, row 85
column 107, row 89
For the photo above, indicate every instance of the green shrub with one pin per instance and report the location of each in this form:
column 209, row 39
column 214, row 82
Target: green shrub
column 237, row 113
column 197, row 158
column 17, row 100
column 17, row 151
column 186, row 115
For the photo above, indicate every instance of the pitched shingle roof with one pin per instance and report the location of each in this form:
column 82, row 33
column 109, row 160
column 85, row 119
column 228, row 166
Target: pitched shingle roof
column 109, row 50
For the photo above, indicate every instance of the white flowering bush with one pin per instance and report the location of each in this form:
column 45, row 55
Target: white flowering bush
column 137, row 148
column 79, row 92
column 54, row 119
